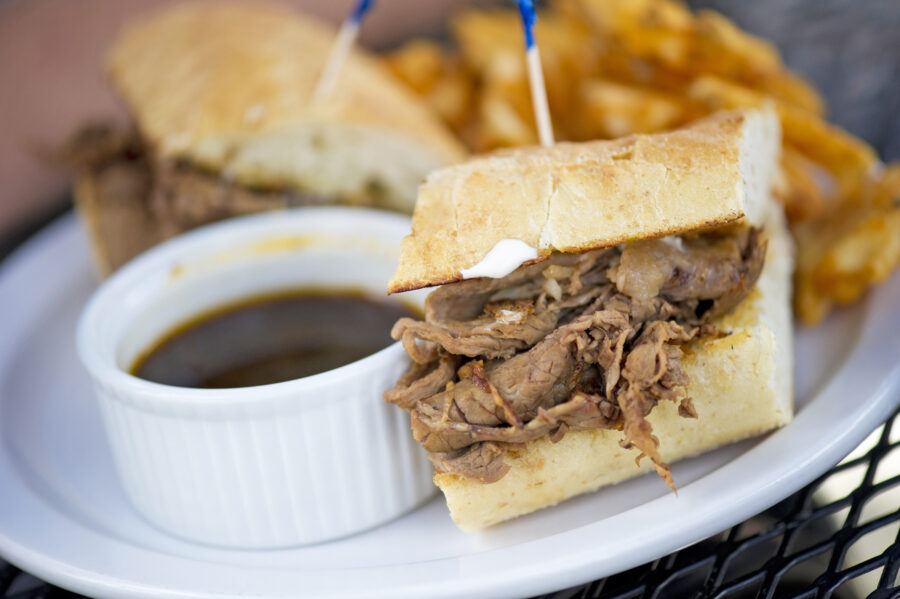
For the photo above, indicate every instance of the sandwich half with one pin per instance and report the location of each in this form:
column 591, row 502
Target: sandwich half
column 635, row 311
column 225, row 123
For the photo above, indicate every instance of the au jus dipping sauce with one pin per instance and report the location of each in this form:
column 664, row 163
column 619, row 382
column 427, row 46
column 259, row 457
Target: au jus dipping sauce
column 271, row 339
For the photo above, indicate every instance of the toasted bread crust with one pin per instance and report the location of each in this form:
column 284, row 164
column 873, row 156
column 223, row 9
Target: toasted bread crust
column 574, row 197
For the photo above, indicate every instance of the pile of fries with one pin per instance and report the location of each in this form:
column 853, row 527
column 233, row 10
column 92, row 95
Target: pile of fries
column 615, row 67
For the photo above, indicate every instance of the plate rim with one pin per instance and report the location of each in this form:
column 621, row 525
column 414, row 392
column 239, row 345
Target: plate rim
column 477, row 573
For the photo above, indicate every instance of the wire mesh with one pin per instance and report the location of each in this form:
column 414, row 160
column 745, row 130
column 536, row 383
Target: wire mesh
column 837, row 538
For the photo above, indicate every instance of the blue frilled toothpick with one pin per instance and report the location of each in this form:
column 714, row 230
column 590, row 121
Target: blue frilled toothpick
column 536, row 75
column 344, row 41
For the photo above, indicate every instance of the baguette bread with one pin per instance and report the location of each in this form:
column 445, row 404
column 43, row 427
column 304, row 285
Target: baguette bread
column 741, row 385
column 575, row 197
column 228, row 87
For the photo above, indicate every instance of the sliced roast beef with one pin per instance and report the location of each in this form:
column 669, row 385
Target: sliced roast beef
column 422, row 381
column 700, row 269
column 573, row 343
column 186, row 197
column 496, row 318
column 113, row 194
column 483, row 461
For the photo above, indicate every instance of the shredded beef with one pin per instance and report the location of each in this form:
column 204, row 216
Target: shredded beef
column 114, row 198
column 164, row 197
column 496, row 318
column 482, row 461
column 96, row 145
column 422, row 381
column 576, row 342
column 185, row 197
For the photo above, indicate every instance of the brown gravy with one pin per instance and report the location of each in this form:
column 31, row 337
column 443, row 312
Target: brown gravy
column 271, row 339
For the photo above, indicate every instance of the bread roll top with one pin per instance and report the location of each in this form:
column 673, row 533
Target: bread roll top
column 574, row 197
column 229, row 87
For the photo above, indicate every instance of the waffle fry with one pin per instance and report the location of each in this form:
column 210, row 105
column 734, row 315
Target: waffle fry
column 610, row 109
column 806, row 188
column 848, row 158
column 433, row 74
column 841, row 256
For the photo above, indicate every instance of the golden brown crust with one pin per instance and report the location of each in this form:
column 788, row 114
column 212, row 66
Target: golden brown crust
column 573, row 197
column 741, row 385
column 200, row 72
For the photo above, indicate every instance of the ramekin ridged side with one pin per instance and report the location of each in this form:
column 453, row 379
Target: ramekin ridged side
column 277, row 465
column 277, row 477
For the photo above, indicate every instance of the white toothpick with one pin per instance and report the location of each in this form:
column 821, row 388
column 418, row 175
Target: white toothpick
column 343, row 43
column 539, row 97
column 536, row 75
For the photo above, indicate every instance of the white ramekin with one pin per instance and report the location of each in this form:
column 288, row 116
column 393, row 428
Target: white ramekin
column 269, row 466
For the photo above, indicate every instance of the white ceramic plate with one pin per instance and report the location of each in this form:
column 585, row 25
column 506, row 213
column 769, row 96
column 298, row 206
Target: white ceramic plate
column 64, row 517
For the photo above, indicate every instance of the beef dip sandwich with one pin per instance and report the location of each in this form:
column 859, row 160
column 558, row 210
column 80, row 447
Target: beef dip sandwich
column 603, row 308
column 221, row 97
